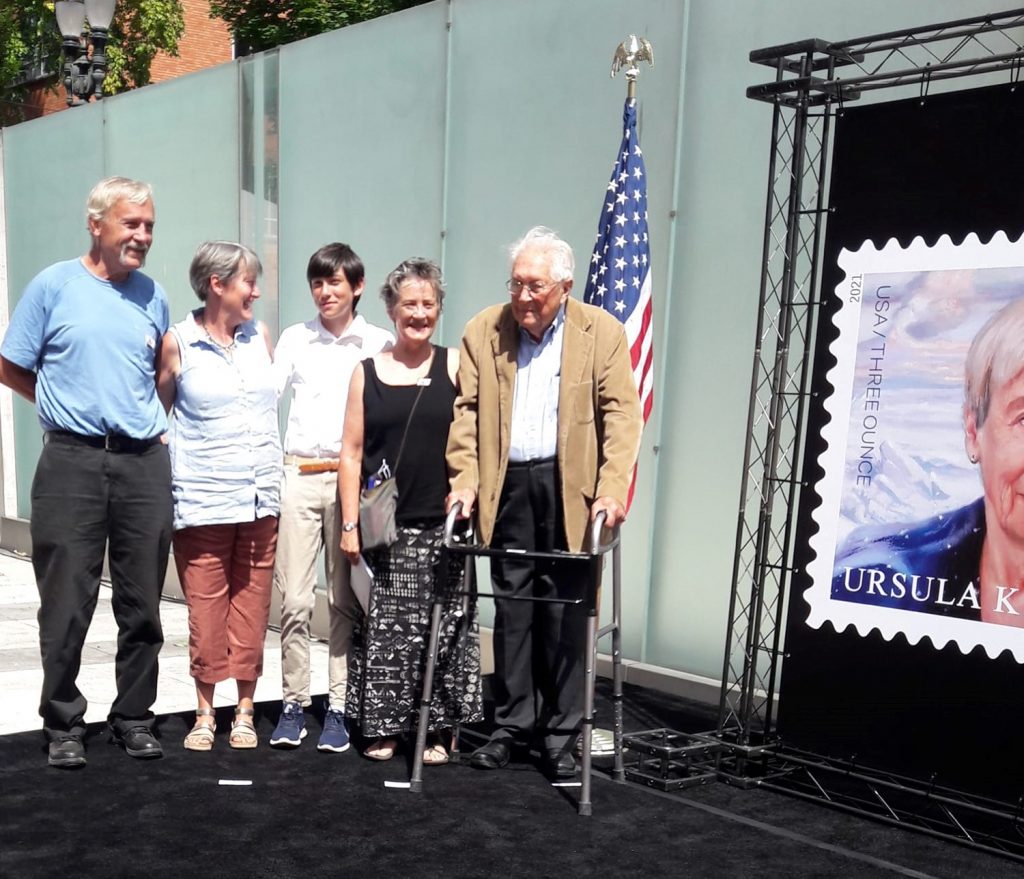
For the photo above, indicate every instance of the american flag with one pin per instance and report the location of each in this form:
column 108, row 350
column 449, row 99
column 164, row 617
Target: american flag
column 619, row 279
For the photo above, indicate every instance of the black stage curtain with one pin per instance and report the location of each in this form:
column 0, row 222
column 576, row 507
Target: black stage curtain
column 951, row 165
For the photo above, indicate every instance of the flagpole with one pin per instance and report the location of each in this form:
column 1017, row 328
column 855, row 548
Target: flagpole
column 619, row 282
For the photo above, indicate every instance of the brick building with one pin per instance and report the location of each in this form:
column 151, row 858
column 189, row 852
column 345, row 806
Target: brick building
column 205, row 42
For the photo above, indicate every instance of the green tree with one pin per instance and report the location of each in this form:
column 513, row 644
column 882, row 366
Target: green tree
column 28, row 36
column 262, row 24
column 24, row 26
column 141, row 28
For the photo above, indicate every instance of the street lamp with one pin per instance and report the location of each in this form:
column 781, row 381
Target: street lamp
column 84, row 70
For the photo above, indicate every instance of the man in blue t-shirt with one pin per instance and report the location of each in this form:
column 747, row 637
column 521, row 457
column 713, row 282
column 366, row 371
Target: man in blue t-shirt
column 82, row 345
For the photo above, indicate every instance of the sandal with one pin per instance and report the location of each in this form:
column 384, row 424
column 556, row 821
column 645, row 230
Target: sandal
column 200, row 737
column 243, row 732
column 382, row 749
column 435, row 755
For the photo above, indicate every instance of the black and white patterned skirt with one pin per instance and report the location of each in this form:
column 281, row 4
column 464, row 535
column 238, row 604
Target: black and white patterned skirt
column 389, row 643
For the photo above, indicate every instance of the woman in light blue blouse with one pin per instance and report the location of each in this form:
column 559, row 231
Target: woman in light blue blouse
column 215, row 371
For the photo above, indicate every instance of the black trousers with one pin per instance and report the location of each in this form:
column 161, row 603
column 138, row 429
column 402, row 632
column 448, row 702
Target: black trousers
column 83, row 497
column 538, row 645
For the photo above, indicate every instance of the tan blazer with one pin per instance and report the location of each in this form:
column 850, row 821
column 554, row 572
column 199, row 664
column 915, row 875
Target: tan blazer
column 599, row 420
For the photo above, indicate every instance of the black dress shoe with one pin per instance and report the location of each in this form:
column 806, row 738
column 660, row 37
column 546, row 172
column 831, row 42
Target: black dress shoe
column 137, row 741
column 561, row 763
column 67, row 752
column 493, row 755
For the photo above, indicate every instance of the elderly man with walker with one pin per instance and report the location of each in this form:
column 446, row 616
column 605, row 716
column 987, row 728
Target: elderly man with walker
column 546, row 432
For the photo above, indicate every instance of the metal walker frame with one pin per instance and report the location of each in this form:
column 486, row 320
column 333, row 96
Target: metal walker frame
column 813, row 79
column 590, row 599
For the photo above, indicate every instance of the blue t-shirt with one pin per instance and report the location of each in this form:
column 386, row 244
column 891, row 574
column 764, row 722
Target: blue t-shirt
column 92, row 344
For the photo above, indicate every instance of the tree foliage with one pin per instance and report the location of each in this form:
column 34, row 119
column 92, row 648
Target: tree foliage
column 24, row 26
column 262, row 24
column 141, row 29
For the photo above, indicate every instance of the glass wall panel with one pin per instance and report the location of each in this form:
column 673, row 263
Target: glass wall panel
column 362, row 141
column 260, row 167
column 181, row 136
column 50, row 164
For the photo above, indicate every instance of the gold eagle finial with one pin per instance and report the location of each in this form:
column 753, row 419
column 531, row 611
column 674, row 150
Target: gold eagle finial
column 630, row 53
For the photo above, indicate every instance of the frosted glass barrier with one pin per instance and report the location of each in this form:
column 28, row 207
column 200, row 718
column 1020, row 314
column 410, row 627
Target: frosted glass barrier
column 50, row 164
column 362, row 149
column 260, row 167
column 181, row 136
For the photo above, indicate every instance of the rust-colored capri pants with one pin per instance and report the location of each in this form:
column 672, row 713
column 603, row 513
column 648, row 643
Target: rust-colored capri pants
column 226, row 573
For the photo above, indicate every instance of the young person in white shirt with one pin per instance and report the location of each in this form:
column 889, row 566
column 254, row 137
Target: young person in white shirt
column 316, row 359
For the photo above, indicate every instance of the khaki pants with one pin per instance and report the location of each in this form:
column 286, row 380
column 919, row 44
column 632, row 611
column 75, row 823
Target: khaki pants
column 311, row 521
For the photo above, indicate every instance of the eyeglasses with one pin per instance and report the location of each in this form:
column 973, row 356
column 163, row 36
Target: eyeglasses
column 536, row 289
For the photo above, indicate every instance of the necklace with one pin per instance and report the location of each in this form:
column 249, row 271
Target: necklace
column 227, row 348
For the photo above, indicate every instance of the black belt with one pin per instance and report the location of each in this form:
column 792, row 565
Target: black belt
column 117, row 443
column 530, row 465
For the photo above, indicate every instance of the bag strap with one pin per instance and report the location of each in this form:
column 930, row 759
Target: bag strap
column 408, row 421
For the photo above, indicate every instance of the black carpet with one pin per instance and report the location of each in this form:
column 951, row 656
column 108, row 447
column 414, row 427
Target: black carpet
column 304, row 813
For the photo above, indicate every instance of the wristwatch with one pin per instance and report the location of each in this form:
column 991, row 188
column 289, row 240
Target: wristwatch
column 349, row 526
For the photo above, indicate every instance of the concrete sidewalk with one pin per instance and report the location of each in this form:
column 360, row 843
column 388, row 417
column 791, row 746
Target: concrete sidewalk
column 21, row 674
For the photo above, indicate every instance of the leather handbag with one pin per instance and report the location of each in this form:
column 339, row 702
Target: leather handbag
column 377, row 526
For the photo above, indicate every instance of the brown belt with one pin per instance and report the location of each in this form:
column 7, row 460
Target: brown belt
column 313, row 465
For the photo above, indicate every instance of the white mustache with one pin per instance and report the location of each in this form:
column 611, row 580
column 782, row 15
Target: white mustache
column 140, row 250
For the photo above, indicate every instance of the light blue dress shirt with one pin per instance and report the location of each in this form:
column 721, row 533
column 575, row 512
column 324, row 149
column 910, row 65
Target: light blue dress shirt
column 534, row 433
column 226, row 459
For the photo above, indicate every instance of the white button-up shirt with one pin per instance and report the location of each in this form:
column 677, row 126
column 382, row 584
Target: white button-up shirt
column 318, row 365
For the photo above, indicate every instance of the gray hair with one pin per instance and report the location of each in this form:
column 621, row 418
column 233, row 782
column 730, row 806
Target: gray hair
column 111, row 190
column 417, row 268
column 995, row 357
column 562, row 261
column 225, row 259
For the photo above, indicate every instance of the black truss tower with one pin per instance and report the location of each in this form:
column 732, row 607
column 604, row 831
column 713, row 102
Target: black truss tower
column 812, row 81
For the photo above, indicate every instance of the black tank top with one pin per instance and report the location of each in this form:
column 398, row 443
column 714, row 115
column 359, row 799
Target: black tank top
column 422, row 473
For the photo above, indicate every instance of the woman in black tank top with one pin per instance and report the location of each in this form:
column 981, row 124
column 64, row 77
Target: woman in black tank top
column 407, row 392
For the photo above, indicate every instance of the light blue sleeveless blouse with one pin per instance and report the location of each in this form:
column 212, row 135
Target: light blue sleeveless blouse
column 226, row 460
